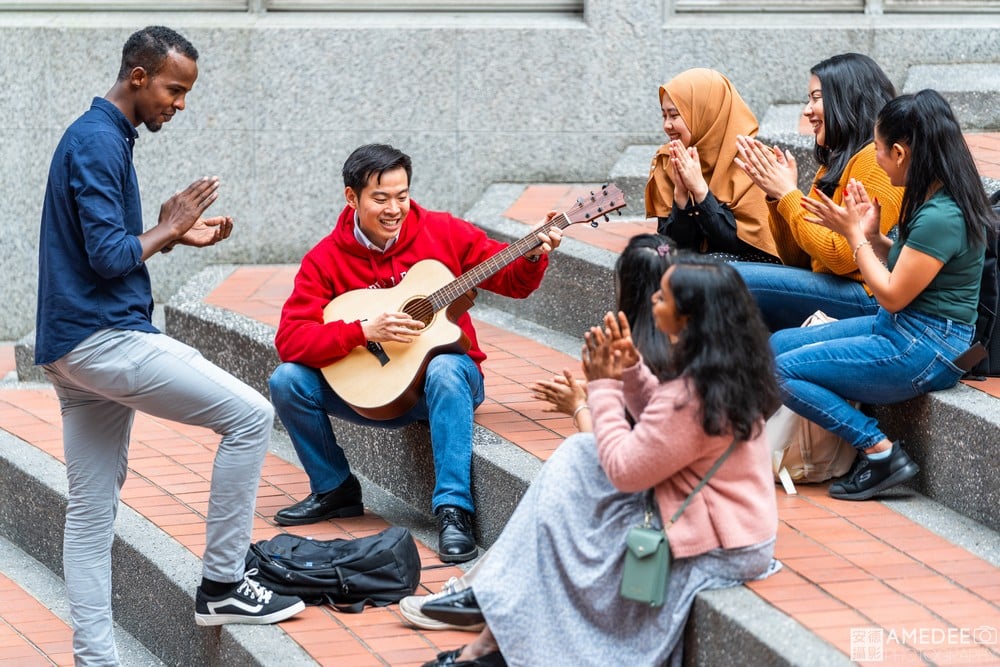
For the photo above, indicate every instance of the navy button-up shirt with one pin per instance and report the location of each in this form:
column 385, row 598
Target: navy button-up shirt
column 90, row 270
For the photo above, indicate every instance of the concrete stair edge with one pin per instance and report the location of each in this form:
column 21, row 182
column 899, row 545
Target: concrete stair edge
column 49, row 590
column 154, row 577
column 952, row 435
column 576, row 291
column 158, row 613
column 737, row 622
column 630, row 173
column 970, row 88
column 387, row 458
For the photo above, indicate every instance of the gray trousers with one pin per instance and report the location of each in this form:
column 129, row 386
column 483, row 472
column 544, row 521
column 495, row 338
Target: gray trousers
column 100, row 385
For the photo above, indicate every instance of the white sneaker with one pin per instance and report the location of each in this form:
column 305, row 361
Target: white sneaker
column 249, row 602
column 410, row 607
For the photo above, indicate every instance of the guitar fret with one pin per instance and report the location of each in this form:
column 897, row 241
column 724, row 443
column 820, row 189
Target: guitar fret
column 479, row 273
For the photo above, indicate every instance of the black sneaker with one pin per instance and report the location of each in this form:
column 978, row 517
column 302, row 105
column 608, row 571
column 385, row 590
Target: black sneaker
column 868, row 477
column 249, row 602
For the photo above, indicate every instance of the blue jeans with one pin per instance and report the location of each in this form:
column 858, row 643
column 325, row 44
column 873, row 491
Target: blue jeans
column 453, row 389
column 881, row 359
column 787, row 295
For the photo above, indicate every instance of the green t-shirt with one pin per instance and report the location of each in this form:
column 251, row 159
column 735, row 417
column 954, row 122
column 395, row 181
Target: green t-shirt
column 938, row 229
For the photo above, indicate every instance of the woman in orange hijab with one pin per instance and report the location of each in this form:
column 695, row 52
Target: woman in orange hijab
column 699, row 196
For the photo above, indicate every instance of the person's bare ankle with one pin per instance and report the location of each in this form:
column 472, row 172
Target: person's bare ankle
column 483, row 644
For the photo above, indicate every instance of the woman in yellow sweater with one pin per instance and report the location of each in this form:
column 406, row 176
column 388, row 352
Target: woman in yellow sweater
column 846, row 93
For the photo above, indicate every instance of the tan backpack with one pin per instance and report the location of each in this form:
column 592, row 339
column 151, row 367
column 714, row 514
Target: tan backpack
column 804, row 451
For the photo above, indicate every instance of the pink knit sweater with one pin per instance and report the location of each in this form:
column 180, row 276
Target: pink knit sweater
column 667, row 448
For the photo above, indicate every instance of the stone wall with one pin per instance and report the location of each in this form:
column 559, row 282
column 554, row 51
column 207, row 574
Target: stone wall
column 475, row 99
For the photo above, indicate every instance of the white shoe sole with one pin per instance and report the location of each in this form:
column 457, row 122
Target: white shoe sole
column 273, row 617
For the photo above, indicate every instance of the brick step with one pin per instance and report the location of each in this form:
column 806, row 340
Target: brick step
column 806, row 614
column 160, row 537
column 34, row 618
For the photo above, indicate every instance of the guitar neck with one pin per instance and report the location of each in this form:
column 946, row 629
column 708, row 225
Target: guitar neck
column 443, row 297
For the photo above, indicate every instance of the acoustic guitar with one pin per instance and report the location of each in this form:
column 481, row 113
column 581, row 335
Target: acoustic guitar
column 384, row 380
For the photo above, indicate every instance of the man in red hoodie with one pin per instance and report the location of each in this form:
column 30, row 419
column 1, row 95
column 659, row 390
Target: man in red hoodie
column 379, row 236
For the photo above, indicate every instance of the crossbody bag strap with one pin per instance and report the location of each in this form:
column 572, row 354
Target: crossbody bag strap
column 702, row 483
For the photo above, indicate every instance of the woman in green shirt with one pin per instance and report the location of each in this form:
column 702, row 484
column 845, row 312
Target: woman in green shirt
column 926, row 283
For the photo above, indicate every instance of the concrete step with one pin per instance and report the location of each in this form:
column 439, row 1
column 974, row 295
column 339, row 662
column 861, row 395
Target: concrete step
column 972, row 89
column 773, row 622
column 630, row 173
column 33, row 604
column 154, row 576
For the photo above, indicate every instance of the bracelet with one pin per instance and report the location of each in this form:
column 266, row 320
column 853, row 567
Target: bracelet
column 859, row 247
column 577, row 411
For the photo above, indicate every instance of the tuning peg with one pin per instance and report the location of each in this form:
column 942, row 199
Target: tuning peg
column 619, row 213
column 579, row 200
column 594, row 223
column 606, row 218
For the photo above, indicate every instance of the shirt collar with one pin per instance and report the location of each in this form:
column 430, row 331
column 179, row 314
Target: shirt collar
column 117, row 117
column 360, row 237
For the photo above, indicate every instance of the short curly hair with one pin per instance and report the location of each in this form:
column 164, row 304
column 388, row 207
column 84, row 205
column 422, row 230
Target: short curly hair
column 148, row 49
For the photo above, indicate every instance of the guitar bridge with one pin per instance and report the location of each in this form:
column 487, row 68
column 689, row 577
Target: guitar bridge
column 379, row 352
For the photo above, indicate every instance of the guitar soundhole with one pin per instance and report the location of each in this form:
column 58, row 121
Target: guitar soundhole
column 420, row 309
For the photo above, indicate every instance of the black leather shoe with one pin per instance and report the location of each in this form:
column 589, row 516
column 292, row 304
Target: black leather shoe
column 342, row 502
column 868, row 477
column 450, row 659
column 455, row 541
column 459, row 608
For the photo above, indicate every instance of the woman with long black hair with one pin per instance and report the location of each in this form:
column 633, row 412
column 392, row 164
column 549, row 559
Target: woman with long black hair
column 845, row 95
column 549, row 589
column 926, row 283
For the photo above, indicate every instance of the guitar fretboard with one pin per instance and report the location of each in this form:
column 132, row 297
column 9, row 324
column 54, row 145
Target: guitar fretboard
column 443, row 297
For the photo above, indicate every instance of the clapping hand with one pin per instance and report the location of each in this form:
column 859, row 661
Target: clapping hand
column 856, row 220
column 207, row 231
column 686, row 173
column 563, row 393
column 772, row 170
column 609, row 350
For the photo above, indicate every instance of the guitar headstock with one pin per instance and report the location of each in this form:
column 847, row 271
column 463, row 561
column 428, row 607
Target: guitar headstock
column 598, row 204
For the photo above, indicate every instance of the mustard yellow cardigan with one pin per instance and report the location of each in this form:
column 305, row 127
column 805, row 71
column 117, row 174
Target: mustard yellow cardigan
column 805, row 244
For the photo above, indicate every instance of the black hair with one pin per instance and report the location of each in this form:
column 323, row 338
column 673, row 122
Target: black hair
column 939, row 157
column 724, row 347
column 854, row 89
column 637, row 277
column 148, row 49
column 373, row 159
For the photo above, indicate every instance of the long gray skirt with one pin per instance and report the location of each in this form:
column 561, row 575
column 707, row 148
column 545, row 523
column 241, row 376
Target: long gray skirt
column 549, row 586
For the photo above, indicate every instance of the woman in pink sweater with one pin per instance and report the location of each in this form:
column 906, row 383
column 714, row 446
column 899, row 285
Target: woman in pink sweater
column 548, row 592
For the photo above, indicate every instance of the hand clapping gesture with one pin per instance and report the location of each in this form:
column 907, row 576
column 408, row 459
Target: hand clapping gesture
column 772, row 170
column 685, row 172
column 207, row 231
column 609, row 350
column 563, row 393
column 857, row 220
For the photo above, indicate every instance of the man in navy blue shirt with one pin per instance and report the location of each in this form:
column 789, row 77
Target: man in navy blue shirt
column 97, row 344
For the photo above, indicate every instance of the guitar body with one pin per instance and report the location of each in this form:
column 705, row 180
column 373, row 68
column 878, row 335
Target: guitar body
column 384, row 382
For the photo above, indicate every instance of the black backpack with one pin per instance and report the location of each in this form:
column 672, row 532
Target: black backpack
column 988, row 322
column 376, row 570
